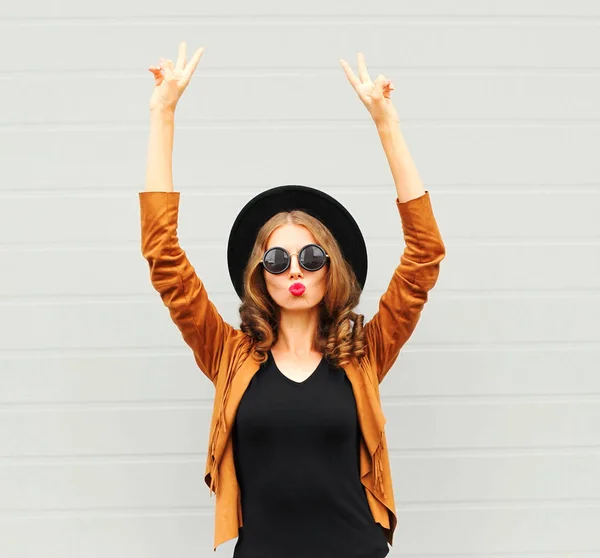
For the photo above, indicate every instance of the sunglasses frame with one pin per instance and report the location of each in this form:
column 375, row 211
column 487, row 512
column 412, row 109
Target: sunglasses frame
column 289, row 262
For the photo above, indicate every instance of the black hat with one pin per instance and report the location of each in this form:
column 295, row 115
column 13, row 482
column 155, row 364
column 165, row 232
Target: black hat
column 286, row 198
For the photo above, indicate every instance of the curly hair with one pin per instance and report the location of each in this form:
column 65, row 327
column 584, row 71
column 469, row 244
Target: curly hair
column 339, row 334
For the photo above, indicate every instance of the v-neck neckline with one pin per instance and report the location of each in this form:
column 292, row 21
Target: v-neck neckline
column 288, row 379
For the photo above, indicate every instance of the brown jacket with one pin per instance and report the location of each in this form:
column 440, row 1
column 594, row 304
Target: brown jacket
column 223, row 353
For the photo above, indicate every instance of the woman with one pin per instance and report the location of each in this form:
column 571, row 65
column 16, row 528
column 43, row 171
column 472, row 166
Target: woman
column 297, row 456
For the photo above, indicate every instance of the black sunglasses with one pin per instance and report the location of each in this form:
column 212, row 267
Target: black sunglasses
column 311, row 257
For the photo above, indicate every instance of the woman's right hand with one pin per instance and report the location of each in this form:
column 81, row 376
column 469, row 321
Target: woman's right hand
column 170, row 82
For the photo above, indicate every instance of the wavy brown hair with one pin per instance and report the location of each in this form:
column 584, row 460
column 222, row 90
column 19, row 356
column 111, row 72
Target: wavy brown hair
column 339, row 334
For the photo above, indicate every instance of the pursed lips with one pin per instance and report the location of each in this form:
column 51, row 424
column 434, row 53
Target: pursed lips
column 297, row 289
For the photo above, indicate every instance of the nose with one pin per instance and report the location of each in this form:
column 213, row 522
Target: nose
column 295, row 270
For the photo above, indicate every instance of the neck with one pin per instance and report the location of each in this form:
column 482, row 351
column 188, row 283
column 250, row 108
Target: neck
column 297, row 331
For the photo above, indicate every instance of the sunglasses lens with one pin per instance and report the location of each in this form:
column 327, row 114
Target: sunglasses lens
column 275, row 260
column 312, row 257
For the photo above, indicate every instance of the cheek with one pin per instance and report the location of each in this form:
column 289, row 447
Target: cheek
column 322, row 281
column 275, row 283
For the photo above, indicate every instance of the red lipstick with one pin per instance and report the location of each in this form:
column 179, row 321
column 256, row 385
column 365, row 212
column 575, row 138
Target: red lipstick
column 297, row 289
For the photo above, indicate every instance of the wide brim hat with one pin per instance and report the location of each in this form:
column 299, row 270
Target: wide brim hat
column 320, row 205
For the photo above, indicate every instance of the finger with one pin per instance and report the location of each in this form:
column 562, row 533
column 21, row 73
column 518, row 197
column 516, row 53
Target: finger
column 191, row 67
column 388, row 87
column 158, row 78
column 167, row 67
column 181, row 56
column 350, row 75
column 362, row 68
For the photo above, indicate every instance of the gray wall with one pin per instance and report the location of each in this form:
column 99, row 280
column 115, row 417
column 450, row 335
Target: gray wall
column 493, row 406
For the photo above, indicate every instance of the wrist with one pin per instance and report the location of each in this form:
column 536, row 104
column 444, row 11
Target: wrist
column 163, row 114
column 387, row 125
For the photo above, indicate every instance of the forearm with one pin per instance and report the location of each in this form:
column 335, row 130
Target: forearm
column 159, row 170
column 404, row 171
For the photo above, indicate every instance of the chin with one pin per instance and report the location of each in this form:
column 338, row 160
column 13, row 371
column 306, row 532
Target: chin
column 292, row 302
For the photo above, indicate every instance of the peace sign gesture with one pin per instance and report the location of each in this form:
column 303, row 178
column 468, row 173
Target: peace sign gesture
column 170, row 82
column 374, row 95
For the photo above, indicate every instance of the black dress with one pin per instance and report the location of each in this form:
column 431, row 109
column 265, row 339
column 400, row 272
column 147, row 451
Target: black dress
column 296, row 453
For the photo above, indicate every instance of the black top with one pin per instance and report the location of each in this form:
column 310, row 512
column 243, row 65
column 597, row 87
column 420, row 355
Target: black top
column 296, row 453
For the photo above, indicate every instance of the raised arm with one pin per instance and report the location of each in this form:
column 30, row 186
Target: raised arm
column 400, row 306
column 171, row 273
column 180, row 289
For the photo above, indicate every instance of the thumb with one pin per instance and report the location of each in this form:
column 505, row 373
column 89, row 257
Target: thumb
column 378, row 86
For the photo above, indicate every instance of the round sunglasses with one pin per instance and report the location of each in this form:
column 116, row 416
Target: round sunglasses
column 310, row 257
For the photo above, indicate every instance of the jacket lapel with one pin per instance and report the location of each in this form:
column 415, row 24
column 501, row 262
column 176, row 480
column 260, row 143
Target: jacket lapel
column 239, row 383
column 370, row 416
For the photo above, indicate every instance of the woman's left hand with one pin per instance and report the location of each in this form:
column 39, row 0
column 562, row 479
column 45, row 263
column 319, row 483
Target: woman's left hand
column 374, row 95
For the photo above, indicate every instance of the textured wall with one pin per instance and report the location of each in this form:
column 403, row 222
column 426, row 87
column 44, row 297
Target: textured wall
column 493, row 406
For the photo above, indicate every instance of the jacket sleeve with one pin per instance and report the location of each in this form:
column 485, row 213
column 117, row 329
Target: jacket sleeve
column 400, row 306
column 180, row 289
